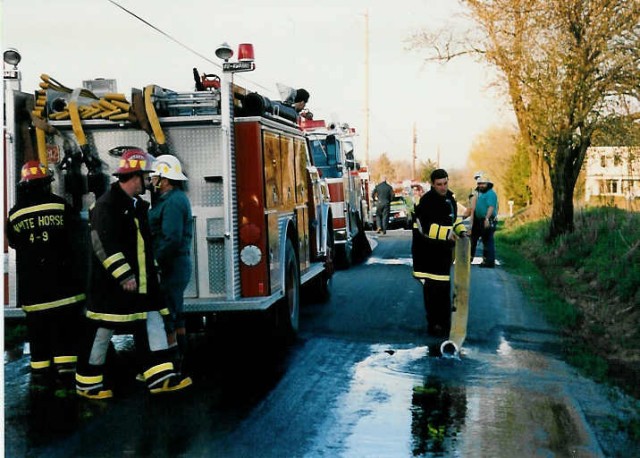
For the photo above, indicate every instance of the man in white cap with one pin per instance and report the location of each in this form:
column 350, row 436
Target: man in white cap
column 484, row 221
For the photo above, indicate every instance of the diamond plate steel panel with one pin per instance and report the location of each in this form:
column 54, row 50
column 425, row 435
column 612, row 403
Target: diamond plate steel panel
column 217, row 268
column 215, row 227
column 200, row 151
column 208, row 194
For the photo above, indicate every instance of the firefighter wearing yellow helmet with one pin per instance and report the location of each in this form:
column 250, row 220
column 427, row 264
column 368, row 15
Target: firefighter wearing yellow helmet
column 124, row 291
column 39, row 227
column 171, row 223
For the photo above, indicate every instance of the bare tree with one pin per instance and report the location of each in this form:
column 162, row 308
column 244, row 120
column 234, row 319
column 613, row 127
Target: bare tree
column 568, row 66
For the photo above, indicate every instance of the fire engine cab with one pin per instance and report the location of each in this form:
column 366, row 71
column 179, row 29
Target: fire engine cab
column 261, row 212
column 332, row 153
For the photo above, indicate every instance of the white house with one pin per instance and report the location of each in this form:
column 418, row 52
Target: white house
column 612, row 176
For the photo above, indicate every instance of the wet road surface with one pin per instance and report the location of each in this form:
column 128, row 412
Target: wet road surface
column 359, row 382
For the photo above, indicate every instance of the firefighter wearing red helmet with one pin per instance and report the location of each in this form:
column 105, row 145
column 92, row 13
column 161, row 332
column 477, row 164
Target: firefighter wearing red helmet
column 39, row 227
column 124, row 290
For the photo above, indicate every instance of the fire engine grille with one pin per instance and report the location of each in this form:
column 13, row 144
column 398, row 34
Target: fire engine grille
column 216, row 256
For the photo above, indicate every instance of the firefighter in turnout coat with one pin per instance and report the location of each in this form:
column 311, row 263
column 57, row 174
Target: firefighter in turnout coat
column 435, row 229
column 39, row 228
column 124, row 292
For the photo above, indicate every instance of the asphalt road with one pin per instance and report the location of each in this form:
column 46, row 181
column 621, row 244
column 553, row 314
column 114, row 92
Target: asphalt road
column 357, row 383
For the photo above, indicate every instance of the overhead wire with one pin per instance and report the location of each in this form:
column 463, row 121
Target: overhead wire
column 175, row 40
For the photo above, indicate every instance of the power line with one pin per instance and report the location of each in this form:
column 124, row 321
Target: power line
column 175, row 40
column 164, row 33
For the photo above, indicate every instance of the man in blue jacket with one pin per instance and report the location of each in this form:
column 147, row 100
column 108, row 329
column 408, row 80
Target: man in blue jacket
column 484, row 221
column 171, row 223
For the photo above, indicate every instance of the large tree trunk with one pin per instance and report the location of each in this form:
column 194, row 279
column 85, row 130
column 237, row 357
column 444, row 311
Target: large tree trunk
column 539, row 183
column 564, row 177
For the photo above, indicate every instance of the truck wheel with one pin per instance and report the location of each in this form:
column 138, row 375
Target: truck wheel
column 288, row 308
column 361, row 245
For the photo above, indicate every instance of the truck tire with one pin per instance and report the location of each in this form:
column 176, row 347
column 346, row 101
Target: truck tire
column 287, row 310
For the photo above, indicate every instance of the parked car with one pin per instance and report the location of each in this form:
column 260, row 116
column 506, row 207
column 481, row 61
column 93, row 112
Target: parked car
column 400, row 214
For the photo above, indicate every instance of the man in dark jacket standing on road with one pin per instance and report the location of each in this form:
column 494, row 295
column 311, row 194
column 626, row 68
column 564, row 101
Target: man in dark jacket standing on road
column 384, row 193
column 39, row 228
column 435, row 229
column 124, row 293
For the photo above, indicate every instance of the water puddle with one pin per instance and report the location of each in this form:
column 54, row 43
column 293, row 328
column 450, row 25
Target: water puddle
column 402, row 402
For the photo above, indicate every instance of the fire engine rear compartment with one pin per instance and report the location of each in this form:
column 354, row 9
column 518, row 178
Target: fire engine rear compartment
column 267, row 181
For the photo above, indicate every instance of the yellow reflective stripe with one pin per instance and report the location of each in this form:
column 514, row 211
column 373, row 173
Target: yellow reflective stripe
column 431, row 276
column 111, row 259
column 40, row 364
column 64, row 359
column 443, row 234
column 164, row 367
column 54, row 304
column 438, row 232
column 142, row 264
column 91, row 380
column 121, row 270
column 164, row 311
column 36, row 208
column 116, row 318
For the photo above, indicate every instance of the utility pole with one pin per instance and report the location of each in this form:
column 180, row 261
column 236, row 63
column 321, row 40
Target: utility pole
column 415, row 156
column 366, row 87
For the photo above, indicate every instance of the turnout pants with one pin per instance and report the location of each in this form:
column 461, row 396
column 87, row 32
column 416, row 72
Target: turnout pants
column 150, row 343
column 437, row 306
column 53, row 336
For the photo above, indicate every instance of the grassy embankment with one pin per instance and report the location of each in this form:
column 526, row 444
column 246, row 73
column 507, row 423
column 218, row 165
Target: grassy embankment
column 588, row 285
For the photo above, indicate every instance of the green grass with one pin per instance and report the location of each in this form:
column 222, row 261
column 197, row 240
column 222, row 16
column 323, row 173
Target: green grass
column 566, row 277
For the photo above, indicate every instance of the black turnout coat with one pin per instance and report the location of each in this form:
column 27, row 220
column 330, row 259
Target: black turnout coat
column 39, row 227
column 436, row 217
column 122, row 249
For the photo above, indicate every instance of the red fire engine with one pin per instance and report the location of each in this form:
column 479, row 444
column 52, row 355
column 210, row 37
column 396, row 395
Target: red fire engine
column 332, row 153
column 261, row 212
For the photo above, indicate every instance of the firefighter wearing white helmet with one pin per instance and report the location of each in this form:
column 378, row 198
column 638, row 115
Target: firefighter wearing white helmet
column 484, row 220
column 172, row 231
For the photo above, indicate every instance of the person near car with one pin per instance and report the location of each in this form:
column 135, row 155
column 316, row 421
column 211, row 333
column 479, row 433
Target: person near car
column 171, row 224
column 383, row 193
column 485, row 221
column 124, row 293
column 40, row 228
column 436, row 228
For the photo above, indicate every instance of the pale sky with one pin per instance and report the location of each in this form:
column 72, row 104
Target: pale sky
column 316, row 45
